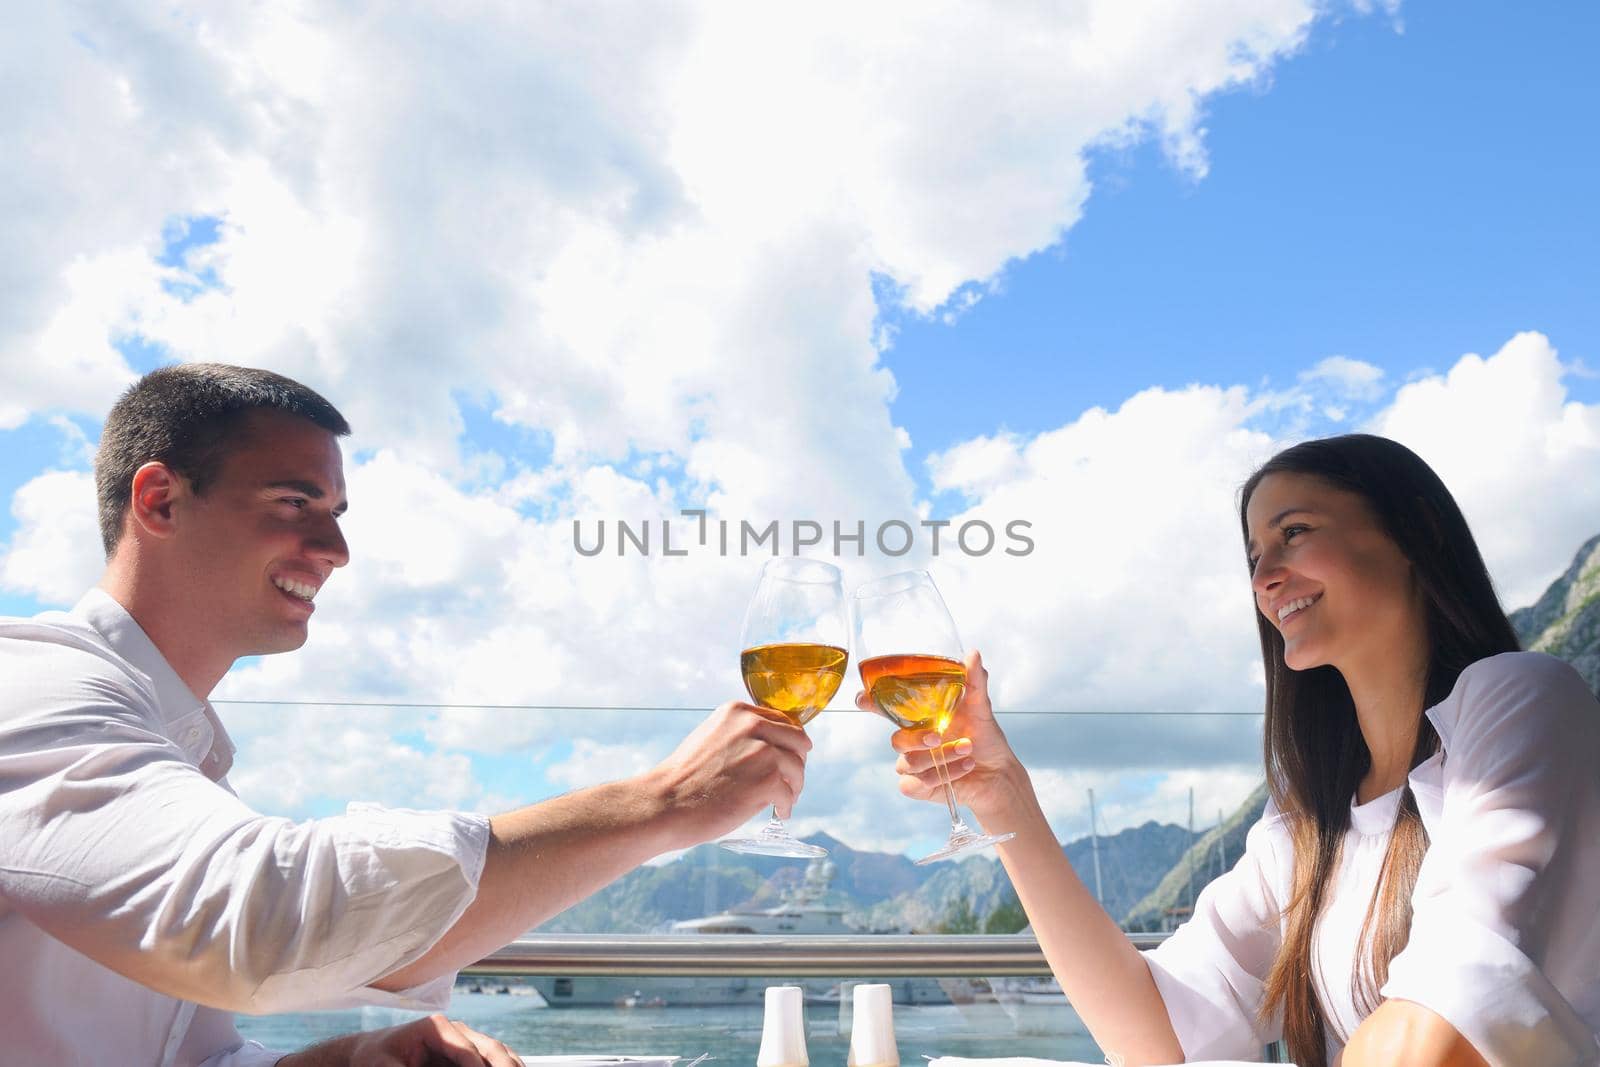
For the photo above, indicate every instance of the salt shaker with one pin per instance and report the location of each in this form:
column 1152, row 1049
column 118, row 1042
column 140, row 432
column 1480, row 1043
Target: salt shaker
column 872, row 1028
column 783, row 1029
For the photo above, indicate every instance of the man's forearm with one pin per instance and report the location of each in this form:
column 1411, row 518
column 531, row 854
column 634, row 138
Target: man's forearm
column 541, row 860
column 334, row 1052
column 545, row 858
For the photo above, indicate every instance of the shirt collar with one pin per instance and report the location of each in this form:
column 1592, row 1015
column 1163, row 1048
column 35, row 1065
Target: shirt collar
column 128, row 640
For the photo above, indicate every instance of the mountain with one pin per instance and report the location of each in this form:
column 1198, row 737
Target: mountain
column 707, row 879
column 1131, row 862
column 1565, row 621
column 878, row 890
column 1214, row 853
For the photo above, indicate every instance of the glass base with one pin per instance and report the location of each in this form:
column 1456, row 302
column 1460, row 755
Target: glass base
column 963, row 839
column 773, row 839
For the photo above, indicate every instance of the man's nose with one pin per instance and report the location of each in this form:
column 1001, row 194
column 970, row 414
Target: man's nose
column 329, row 544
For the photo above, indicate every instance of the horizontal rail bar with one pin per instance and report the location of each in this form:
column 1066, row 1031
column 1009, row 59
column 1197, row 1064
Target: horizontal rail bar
column 758, row 956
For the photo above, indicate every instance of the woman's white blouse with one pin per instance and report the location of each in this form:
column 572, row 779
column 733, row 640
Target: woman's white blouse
column 1505, row 932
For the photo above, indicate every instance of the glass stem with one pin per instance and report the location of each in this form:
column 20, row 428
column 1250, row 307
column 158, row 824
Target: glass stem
column 949, row 786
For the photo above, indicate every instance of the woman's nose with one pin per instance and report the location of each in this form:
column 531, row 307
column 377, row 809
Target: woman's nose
column 1269, row 574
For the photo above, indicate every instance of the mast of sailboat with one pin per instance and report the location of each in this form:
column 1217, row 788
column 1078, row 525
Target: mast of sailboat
column 1094, row 846
column 1191, row 849
column 1222, row 847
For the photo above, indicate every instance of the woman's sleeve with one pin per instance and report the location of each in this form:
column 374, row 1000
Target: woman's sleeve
column 1521, row 739
column 1210, row 971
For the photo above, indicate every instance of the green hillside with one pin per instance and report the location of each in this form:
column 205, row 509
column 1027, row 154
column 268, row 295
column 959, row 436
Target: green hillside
column 1565, row 621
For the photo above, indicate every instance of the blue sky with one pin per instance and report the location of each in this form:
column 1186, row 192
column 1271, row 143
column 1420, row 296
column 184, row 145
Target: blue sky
column 1400, row 191
column 1397, row 198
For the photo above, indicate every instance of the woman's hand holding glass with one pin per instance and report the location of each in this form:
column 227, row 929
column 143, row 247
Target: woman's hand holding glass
column 912, row 670
column 994, row 784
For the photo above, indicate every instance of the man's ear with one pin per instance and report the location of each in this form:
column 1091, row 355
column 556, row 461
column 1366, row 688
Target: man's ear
column 156, row 489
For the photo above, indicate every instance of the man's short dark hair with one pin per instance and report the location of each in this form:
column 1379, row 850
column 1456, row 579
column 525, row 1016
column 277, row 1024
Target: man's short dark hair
column 190, row 417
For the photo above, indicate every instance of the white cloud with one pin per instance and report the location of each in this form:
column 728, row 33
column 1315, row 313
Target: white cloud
column 576, row 213
column 601, row 761
column 1521, row 459
column 1132, row 796
column 54, row 553
column 1134, row 598
column 1352, row 378
column 289, row 759
column 976, row 466
column 640, row 237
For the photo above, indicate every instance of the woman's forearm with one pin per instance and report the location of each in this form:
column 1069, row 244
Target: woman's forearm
column 1401, row 1031
column 1102, row 974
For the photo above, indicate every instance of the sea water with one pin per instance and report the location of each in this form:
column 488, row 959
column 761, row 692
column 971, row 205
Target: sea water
column 730, row 1034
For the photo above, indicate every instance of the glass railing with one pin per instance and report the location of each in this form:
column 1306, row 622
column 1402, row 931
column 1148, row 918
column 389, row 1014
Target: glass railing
column 613, row 975
column 682, row 996
column 688, row 996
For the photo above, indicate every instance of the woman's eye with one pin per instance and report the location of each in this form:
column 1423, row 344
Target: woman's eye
column 1292, row 531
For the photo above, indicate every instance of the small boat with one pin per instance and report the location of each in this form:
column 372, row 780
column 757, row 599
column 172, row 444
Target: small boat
column 637, row 999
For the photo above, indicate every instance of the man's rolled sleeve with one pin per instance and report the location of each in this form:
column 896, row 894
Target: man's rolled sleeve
column 411, row 876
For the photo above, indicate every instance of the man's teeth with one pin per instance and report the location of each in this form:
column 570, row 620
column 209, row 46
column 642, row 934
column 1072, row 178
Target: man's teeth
column 294, row 588
column 1295, row 605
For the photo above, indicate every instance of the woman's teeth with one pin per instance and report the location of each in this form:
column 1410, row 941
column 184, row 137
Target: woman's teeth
column 1295, row 605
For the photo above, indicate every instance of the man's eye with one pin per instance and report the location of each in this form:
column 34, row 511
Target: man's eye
column 297, row 502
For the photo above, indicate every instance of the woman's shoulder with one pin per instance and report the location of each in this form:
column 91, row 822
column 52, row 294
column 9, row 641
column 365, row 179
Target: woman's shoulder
column 1523, row 691
column 1533, row 665
column 1270, row 838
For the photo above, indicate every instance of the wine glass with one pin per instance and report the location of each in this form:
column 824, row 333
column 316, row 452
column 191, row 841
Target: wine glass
column 793, row 660
column 910, row 659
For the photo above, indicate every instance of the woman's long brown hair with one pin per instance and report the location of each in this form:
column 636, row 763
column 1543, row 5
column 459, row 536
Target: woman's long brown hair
column 1315, row 754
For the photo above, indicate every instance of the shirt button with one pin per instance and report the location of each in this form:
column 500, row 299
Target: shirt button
column 194, row 733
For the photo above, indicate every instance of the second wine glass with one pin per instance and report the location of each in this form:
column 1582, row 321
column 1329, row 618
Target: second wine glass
column 793, row 660
column 910, row 659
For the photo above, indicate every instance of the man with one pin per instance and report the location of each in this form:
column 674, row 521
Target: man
column 141, row 902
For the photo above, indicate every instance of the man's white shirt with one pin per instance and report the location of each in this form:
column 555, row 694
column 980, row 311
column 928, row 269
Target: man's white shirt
column 142, row 903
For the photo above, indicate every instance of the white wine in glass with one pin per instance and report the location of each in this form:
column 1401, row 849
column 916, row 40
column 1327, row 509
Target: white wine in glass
column 796, row 679
column 910, row 660
column 793, row 660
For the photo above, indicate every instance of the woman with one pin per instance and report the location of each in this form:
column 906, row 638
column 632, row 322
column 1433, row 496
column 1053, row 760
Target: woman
column 1424, row 885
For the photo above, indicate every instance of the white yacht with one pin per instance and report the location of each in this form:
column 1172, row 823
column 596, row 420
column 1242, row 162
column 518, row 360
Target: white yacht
column 804, row 910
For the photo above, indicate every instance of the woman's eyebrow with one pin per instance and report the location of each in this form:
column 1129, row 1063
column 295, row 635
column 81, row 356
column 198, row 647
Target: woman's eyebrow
column 1272, row 523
